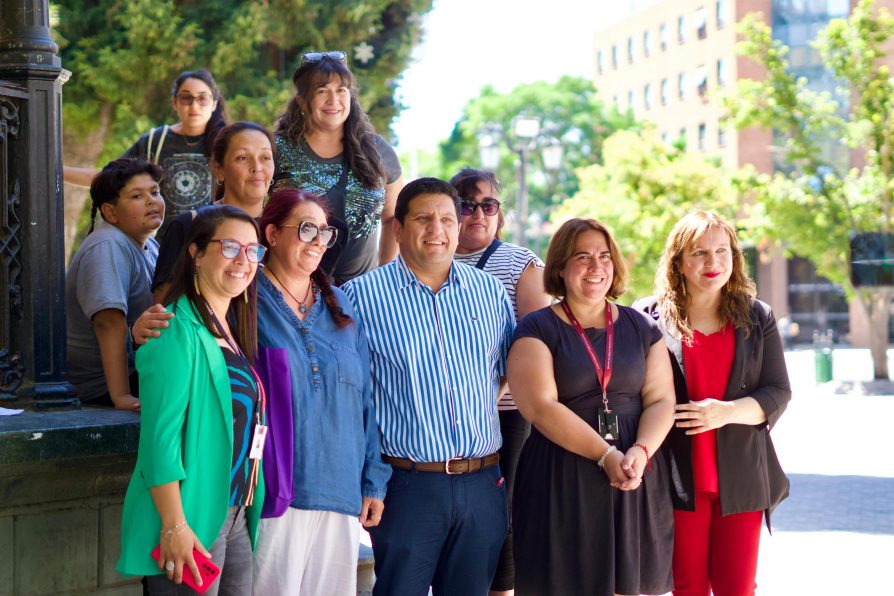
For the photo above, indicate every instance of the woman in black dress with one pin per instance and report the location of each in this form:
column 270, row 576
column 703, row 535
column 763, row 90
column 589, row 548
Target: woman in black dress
column 591, row 512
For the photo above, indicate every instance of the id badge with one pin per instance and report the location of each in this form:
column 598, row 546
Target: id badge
column 608, row 426
column 257, row 442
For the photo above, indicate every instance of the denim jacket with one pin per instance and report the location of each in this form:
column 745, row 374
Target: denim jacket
column 337, row 448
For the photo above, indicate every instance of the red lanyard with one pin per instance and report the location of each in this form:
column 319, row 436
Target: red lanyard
column 604, row 377
column 262, row 401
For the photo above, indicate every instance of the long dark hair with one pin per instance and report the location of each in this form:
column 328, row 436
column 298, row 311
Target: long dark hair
column 277, row 212
column 114, row 176
column 222, row 145
column 361, row 154
column 202, row 231
column 218, row 117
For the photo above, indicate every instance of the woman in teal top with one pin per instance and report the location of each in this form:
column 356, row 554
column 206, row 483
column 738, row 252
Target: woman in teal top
column 195, row 481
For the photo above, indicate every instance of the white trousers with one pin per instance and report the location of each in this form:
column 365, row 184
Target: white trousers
column 306, row 553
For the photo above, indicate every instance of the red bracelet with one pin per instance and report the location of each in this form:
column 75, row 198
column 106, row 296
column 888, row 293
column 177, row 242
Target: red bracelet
column 646, row 451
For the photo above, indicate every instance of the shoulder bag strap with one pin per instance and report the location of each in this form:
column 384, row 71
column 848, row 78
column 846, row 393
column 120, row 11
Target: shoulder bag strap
column 161, row 142
column 487, row 253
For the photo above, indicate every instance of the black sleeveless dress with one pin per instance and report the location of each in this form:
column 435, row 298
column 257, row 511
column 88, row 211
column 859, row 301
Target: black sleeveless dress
column 573, row 533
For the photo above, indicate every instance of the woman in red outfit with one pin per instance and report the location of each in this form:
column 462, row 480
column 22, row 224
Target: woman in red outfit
column 732, row 386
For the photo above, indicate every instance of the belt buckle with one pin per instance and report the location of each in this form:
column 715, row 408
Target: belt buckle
column 447, row 466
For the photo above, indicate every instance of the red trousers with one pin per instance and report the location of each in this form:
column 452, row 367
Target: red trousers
column 714, row 552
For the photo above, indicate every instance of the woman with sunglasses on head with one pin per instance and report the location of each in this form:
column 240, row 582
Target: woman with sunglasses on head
column 327, row 146
column 732, row 386
column 309, row 545
column 183, row 149
column 197, row 485
column 521, row 272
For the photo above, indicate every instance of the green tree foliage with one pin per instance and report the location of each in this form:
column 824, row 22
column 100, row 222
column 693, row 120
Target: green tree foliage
column 813, row 208
column 568, row 109
column 642, row 188
column 124, row 54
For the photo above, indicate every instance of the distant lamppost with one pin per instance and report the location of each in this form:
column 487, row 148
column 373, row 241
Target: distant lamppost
column 524, row 137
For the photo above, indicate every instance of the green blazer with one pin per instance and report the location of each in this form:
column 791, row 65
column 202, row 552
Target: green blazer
column 186, row 435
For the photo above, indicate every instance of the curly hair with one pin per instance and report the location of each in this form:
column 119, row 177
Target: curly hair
column 362, row 156
column 737, row 295
column 561, row 249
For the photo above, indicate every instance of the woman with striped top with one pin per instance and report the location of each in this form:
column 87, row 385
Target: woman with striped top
column 521, row 273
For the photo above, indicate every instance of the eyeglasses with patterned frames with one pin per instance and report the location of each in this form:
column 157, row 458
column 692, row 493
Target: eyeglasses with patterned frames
column 203, row 99
column 336, row 55
column 254, row 252
column 489, row 206
column 308, row 232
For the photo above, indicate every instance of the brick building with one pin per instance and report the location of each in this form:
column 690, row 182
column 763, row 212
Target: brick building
column 667, row 59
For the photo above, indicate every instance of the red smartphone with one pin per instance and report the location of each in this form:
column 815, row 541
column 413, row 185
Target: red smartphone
column 208, row 570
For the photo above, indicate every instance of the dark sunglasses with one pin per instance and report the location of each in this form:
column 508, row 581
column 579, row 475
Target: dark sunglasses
column 203, row 100
column 336, row 55
column 488, row 206
column 254, row 252
column 308, row 231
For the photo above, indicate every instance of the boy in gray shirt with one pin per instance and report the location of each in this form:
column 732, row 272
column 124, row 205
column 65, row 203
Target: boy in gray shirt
column 109, row 282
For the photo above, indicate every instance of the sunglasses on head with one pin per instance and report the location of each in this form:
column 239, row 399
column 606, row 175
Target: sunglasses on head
column 489, row 206
column 186, row 99
column 336, row 55
column 254, row 252
column 308, row 232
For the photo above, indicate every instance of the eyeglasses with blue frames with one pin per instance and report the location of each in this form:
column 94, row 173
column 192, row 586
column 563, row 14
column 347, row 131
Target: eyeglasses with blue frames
column 308, row 232
column 489, row 206
column 254, row 252
column 336, row 55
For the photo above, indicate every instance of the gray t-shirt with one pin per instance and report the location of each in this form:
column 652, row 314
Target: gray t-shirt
column 110, row 270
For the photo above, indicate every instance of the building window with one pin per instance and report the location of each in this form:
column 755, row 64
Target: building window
column 702, row 136
column 647, row 43
column 701, row 81
column 600, row 62
column 681, row 29
column 666, row 138
column 615, row 56
column 665, row 92
column 648, row 96
column 615, row 102
column 631, row 100
column 681, row 86
column 630, row 50
column 700, row 23
column 721, row 136
column 722, row 72
column 663, row 37
column 681, row 138
column 721, row 13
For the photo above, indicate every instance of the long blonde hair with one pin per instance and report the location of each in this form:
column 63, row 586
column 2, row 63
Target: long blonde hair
column 737, row 295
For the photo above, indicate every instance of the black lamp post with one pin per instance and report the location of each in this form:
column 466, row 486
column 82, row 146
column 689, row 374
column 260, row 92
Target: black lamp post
column 32, row 253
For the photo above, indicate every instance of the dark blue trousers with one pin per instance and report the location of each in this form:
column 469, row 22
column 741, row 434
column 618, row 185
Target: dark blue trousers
column 440, row 531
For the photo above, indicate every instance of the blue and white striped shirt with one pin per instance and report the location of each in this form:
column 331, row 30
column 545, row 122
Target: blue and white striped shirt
column 437, row 358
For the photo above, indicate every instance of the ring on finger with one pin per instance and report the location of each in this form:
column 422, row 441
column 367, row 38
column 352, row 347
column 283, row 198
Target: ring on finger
column 169, row 565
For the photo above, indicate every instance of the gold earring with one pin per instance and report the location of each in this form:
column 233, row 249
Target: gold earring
column 245, row 294
column 195, row 281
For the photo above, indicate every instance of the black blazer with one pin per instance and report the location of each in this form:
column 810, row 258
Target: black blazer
column 749, row 475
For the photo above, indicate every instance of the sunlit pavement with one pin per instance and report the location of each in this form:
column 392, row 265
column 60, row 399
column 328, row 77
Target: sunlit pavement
column 835, row 533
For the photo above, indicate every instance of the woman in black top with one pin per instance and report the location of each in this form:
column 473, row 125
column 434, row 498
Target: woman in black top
column 326, row 145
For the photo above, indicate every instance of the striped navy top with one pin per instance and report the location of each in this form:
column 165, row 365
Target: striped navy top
column 507, row 264
column 437, row 359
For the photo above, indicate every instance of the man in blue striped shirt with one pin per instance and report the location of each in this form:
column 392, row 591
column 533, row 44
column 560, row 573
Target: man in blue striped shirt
column 438, row 335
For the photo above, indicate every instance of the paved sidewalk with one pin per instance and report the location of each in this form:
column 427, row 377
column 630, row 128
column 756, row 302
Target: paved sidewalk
column 835, row 533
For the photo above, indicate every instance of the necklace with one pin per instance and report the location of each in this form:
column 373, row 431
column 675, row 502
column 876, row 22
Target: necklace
column 302, row 308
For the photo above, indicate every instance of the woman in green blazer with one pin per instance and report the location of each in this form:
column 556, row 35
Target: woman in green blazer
column 195, row 481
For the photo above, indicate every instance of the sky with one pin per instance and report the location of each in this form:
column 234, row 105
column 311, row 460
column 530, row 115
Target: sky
column 467, row 44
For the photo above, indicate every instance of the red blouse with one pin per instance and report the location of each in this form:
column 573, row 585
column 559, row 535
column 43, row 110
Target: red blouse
column 707, row 362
